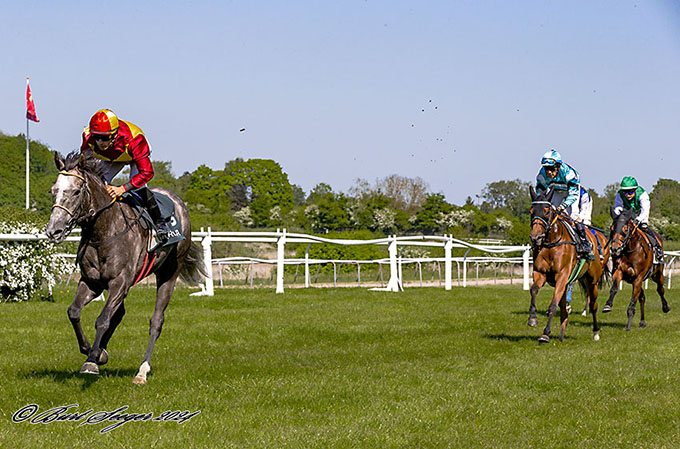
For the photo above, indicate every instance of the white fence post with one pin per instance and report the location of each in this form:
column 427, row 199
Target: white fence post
column 307, row 266
column 447, row 263
column 394, row 284
column 280, row 247
column 525, row 266
column 209, row 289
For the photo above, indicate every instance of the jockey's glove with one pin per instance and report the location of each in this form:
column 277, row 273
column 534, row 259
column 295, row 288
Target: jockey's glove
column 560, row 209
column 637, row 221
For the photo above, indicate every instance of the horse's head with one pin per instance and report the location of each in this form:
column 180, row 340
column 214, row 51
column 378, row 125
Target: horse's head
column 70, row 196
column 542, row 213
column 621, row 230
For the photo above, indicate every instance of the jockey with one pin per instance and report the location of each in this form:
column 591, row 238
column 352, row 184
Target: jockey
column 632, row 196
column 564, row 180
column 122, row 143
column 585, row 213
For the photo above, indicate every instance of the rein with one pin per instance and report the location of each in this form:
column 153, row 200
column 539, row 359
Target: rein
column 128, row 227
column 77, row 219
column 548, row 225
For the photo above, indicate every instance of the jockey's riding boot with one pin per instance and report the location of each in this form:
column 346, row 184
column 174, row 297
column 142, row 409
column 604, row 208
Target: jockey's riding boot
column 159, row 223
column 658, row 252
column 583, row 247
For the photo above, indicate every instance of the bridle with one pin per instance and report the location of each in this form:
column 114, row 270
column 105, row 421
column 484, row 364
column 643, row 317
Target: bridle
column 547, row 224
column 626, row 238
column 542, row 221
column 78, row 218
column 75, row 215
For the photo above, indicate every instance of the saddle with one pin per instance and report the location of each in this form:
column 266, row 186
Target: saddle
column 167, row 210
column 656, row 261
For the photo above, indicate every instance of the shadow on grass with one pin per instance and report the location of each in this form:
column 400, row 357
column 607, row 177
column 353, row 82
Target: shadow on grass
column 63, row 376
column 510, row 337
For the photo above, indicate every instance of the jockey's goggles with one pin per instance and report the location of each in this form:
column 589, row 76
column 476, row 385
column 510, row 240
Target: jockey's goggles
column 628, row 192
column 103, row 136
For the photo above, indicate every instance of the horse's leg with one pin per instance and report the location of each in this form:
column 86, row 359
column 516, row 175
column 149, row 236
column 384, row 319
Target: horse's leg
column 539, row 281
column 560, row 289
column 118, row 289
column 616, row 280
column 643, row 299
column 84, row 294
column 115, row 321
column 637, row 288
column 564, row 315
column 657, row 277
column 592, row 288
column 166, row 284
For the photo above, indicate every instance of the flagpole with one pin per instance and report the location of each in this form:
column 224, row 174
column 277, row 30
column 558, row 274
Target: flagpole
column 27, row 182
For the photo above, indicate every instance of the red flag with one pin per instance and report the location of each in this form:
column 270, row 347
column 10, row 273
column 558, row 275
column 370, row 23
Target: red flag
column 30, row 106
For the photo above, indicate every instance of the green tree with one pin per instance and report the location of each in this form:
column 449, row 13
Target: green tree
column 428, row 218
column 512, row 196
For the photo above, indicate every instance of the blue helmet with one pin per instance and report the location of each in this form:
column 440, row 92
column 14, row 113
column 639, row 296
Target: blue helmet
column 551, row 158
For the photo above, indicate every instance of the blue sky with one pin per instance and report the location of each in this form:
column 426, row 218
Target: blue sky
column 459, row 93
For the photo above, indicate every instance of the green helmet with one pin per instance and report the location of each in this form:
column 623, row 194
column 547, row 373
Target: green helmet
column 629, row 183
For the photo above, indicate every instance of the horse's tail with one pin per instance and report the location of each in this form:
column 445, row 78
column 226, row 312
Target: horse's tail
column 606, row 277
column 193, row 269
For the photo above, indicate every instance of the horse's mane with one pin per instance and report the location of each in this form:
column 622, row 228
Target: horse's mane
column 92, row 165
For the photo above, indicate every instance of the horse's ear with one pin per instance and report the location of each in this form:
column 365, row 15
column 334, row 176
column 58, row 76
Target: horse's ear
column 550, row 194
column 613, row 214
column 532, row 192
column 58, row 161
column 82, row 162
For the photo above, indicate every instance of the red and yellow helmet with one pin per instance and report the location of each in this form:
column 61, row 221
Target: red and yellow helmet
column 104, row 121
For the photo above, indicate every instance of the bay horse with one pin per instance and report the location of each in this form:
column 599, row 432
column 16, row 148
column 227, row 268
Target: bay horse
column 633, row 261
column 113, row 254
column 557, row 263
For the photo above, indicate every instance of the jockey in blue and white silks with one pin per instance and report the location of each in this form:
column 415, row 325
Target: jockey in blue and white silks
column 585, row 206
column 563, row 179
column 566, row 185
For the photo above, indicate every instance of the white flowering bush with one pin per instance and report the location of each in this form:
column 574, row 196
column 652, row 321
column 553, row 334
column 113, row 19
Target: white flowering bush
column 275, row 214
column 26, row 267
column 244, row 216
column 459, row 217
column 312, row 213
column 384, row 219
column 504, row 224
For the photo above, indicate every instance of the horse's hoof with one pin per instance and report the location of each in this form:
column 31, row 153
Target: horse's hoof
column 596, row 336
column 584, row 313
column 607, row 308
column 666, row 309
column 103, row 357
column 543, row 339
column 643, row 324
column 533, row 322
column 89, row 368
column 139, row 380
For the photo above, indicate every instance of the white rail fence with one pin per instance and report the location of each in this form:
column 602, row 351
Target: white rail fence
column 281, row 237
column 395, row 261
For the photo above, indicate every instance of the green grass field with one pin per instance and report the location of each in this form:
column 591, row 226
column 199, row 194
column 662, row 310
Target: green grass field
column 349, row 368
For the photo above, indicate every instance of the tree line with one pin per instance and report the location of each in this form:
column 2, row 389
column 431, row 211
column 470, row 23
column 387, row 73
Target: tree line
column 257, row 194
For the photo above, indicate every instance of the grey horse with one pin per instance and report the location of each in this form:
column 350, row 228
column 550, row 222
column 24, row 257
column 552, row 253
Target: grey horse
column 112, row 254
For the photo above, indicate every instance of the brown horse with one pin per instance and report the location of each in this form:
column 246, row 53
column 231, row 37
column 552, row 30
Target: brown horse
column 633, row 260
column 556, row 262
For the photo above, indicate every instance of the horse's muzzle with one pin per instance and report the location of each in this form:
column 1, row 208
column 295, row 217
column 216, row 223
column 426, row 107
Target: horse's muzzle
column 57, row 235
